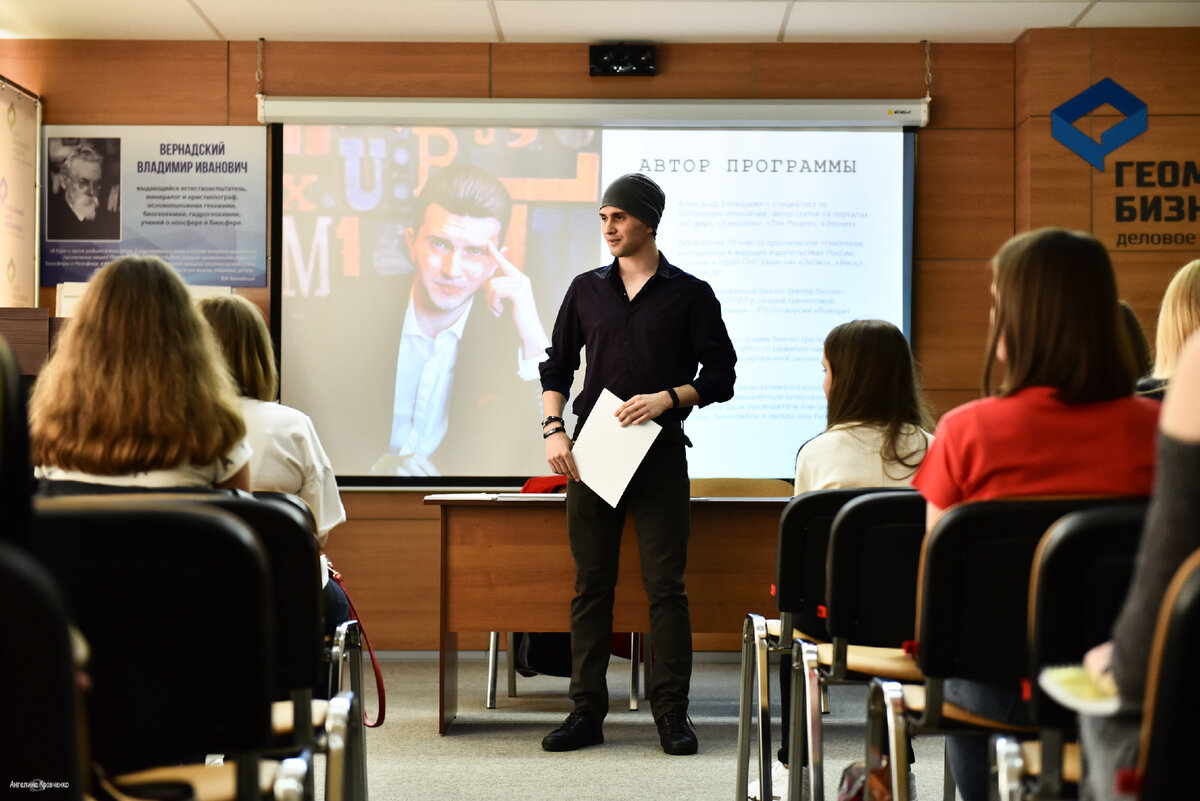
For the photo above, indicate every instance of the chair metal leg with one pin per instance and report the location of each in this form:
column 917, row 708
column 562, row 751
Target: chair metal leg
column 745, row 700
column 886, row 730
column 337, row 732
column 1010, row 767
column 635, row 655
column 807, row 689
column 356, row 752
column 948, row 788
column 510, row 646
column 493, row 661
column 762, row 676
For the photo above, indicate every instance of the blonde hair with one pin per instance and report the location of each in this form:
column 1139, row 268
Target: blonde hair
column 242, row 334
column 1178, row 318
column 135, row 381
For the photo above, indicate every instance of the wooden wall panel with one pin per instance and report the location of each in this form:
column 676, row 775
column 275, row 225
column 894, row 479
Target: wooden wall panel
column 1054, row 66
column 972, row 86
column 243, row 87
column 951, row 301
column 1058, row 182
column 372, row 69
column 1159, row 65
column 943, row 400
column 1021, row 164
column 561, row 70
column 121, row 83
column 964, row 202
column 831, row 71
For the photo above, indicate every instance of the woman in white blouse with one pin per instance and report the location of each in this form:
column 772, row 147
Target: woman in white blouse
column 288, row 456
column 876, row 435
column 877, row 424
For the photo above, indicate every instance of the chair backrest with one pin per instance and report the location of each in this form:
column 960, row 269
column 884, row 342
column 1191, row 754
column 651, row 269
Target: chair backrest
column 174, row 604
column 41, row 738
column 803, row 541
column 974, row 588
column 1170, row 737
column 871, row 568
column 16, row 469
column 293, row 558
column 295, row 564
column 1081, row 574
column 292, row 500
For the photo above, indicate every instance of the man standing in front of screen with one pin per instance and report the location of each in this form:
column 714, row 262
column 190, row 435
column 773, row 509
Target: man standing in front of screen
column 647, row 326
column 447, row 395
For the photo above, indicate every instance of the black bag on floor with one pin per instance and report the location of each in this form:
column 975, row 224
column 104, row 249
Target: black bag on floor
column 545, row 652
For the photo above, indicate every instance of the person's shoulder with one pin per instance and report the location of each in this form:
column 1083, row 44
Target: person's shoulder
column 591, row 276
column 1146, row 408
column 274, row 414
column 971, row 410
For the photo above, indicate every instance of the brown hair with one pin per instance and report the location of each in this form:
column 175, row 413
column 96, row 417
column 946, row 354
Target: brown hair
column 1055, row 311
column 465, row 190
column 873, row 380
column 1178, row 318
column 136, row 381
column 242, row 334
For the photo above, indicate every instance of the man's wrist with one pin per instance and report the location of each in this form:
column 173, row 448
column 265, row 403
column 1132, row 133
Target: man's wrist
column 553, row 431
column 552, row 418
column 674, row 397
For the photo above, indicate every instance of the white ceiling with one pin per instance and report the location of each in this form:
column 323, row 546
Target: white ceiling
column 565, row 21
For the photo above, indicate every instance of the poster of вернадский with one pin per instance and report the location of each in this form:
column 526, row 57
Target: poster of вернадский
column 192, row 195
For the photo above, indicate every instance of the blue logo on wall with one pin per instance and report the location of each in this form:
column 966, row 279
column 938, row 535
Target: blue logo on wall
column 1106, row 91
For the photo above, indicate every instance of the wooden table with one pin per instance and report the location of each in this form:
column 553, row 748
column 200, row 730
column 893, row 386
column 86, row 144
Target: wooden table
column 506, row 566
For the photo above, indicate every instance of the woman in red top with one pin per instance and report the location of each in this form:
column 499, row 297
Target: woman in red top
column 1061, row 421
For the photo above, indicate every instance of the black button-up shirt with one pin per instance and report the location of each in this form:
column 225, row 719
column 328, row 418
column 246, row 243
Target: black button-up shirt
column 657, row 340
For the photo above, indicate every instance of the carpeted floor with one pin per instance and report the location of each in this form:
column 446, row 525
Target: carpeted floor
column 496, row 754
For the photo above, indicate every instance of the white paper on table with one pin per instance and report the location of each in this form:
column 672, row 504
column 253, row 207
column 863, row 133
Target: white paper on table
column 607, row 454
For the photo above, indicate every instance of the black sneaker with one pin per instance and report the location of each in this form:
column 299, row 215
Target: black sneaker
column 676, row 735
column 581, row 728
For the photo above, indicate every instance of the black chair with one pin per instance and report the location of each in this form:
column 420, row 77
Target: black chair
column 804, row 527
column 1170, row 739
column 289, row 544
column 975, row 569
column 870, row 610
column 44, row 738
column 1081, row 573
column 16, row 470
column 175, row 605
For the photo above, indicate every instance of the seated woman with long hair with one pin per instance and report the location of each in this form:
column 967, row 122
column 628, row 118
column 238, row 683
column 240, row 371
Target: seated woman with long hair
column 1062, row 421
column 135, row 393
column 288, row 456
column 876, row 420
column 875, row 436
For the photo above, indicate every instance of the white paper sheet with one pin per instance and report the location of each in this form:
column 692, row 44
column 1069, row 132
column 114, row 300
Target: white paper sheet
column 607, row 454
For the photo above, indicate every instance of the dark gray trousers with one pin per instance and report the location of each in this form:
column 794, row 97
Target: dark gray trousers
column 659, row 498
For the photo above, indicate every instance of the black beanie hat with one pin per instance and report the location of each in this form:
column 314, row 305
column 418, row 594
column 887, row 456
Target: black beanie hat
column 638, row 195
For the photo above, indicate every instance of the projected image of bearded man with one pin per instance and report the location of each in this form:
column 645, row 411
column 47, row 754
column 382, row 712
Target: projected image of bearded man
column 471, row 328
